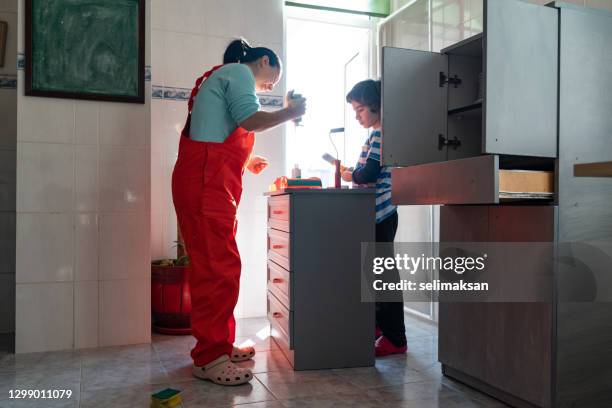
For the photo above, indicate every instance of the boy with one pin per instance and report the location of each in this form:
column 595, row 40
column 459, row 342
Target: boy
column 365, row 99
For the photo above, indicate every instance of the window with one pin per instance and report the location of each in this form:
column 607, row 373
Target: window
column 327, row 53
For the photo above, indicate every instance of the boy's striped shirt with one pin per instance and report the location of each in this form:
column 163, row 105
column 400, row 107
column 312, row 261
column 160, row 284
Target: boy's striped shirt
column 371, row 150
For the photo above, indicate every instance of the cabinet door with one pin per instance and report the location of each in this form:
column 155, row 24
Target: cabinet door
column 413, row 107
column 521, row 71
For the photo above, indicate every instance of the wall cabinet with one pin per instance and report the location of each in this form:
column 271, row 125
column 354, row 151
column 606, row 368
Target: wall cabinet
column 528, row 94
column 494, row 93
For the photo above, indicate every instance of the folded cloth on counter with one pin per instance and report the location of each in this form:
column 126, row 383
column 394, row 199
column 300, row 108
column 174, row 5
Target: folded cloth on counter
column 283, row 182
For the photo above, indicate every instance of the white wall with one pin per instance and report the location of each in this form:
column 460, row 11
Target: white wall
column 185, row 42
column 83, row 209
column 8, row 155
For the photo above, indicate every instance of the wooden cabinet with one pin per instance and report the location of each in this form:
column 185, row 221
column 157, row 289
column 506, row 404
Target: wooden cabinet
column 314, row 302
column 526, row 94
column 504, row 349
column 494, row 93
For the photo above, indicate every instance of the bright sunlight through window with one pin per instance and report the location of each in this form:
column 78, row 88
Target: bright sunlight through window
column 324, row 61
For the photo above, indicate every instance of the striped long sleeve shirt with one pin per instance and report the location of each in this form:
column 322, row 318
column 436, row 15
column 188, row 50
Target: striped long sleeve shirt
column 368, row 172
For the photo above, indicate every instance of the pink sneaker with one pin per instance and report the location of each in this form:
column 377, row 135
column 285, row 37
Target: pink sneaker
column 377, row 333
column 384, row 347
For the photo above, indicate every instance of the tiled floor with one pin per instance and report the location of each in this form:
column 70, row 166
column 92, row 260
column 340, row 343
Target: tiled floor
column 120, row 377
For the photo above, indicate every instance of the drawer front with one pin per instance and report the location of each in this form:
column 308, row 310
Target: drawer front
column 281, row 320
column 475, row 180
column 278, row 213
column 279, row 283
column 278, row 207
column 279, row 248
column 281, row 225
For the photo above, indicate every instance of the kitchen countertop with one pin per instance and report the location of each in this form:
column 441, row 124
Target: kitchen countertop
column 321, row 191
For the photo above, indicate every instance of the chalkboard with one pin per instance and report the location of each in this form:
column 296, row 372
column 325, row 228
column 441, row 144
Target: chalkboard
column 85, row 49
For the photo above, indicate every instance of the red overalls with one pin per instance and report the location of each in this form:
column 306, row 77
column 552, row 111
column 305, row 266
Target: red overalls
column 206, row 189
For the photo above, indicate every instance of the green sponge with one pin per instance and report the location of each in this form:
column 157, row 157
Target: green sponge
column 167, row 398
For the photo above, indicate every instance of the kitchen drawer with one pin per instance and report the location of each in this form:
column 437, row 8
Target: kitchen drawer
column 279, row 283
column 278, row 212
column 281, row 320
column 476, row 180
column 279, row 248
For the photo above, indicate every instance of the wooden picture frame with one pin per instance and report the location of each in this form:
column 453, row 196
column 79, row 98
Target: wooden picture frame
column 3, row 35
column 73, row 50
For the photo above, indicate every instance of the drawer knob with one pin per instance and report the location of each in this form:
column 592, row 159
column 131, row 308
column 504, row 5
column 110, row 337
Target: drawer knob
column 277, row 280
column 277, row 315
column 277, row 246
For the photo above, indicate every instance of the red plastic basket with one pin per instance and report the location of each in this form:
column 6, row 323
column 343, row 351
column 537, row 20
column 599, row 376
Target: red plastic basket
column 170, row 299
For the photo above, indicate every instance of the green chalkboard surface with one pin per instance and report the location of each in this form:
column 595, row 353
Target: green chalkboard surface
column 85, row 49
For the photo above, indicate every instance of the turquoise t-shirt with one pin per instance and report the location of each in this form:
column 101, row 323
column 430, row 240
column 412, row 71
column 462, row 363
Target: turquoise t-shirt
column 225, row 99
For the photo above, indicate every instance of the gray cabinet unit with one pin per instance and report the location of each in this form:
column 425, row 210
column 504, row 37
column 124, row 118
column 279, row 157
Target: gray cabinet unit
column 583, row 364
column 503, row 349
column 492, row 93
column 314, row 277
column 545, row 106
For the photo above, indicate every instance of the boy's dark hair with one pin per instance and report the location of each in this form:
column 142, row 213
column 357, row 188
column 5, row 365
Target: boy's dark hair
column 366, row 93
column 239, row 51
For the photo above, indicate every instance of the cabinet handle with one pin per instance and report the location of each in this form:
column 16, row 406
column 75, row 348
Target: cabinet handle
column 277, row 315
column 277, row 280
column 277, row 246
column 277, row 212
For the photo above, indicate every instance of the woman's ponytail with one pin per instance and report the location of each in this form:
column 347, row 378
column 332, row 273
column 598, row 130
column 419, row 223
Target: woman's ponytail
column 239, row 51
column 236, row 51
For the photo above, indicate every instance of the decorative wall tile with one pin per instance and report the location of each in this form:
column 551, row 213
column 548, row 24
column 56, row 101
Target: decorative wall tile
column 273, row 101
column 182, row 94
column 177, row 94
column 20, row 61
column 8, row 81
column 157, row 92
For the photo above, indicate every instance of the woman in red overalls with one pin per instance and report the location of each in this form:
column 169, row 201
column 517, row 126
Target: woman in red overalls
column 206, row 189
